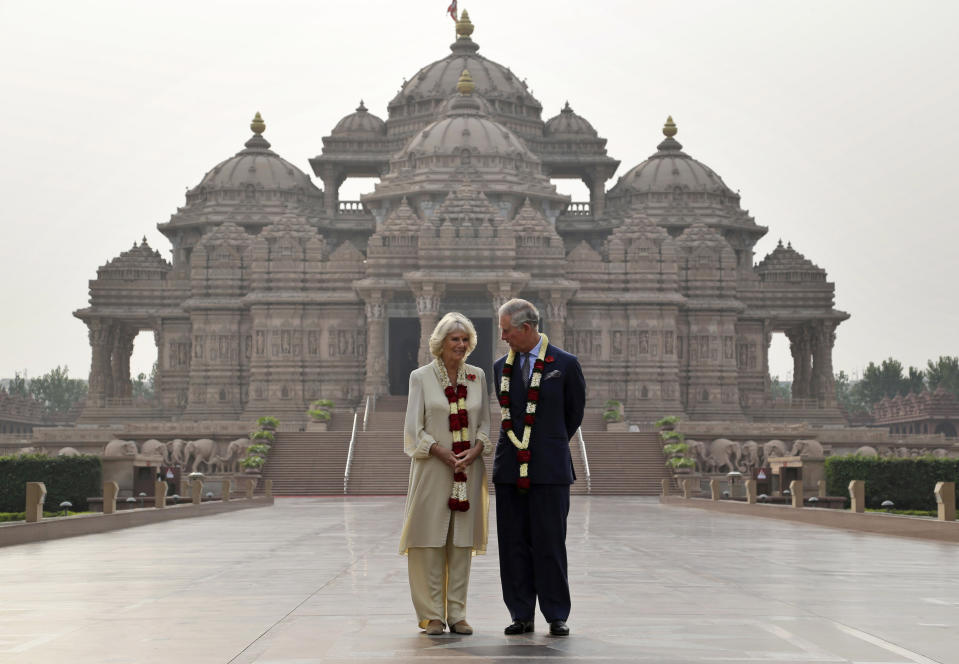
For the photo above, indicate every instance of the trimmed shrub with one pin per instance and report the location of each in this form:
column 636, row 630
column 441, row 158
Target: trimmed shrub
column 66, row 478
column 909, row 483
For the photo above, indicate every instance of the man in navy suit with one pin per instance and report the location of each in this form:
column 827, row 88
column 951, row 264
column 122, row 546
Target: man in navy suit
column 532, row 483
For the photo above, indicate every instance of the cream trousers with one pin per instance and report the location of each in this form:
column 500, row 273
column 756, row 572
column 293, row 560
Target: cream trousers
column 439, row 580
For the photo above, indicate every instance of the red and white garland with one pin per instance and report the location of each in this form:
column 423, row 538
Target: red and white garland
column 459, row 426
column 532, row 398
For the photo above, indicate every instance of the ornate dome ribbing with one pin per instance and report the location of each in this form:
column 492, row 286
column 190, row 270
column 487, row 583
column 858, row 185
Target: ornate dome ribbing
column 362, row 123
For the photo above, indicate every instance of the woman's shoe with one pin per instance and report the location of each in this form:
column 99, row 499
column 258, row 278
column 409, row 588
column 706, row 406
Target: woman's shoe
column 435, row 627
column 462, row 627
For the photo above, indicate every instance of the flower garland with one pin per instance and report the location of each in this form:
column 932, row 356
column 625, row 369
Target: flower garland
column 532, row 397
column 459, row 426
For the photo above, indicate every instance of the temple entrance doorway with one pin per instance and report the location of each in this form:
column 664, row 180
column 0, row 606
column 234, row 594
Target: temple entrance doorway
column 780, row 368
column 482, row 355
column 404, row 335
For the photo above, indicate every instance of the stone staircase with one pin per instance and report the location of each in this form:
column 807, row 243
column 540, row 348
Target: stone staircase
column 312, row 463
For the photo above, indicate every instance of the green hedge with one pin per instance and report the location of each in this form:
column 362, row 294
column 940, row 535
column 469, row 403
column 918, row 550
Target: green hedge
column 909, row 483
column 66, row 478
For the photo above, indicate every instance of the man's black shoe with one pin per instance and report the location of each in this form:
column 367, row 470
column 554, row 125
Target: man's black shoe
column 520, row 627
column 558, row 628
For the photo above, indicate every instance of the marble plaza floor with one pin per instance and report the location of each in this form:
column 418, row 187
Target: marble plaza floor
column 319, row 580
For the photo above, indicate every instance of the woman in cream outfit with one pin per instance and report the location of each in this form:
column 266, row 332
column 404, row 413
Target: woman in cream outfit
column 438, row 541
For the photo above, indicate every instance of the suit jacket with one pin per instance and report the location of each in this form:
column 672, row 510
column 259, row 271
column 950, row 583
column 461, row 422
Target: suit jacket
column 562, row 398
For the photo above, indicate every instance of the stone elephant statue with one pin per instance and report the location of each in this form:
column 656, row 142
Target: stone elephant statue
column 235, row 450
column 201, row 451
column 940, row 453
column 773, row 448
column 31, row 450
column 723, row 456
column 68, row 451
column 176, row 452
column 902, row 452
column 697, row 452
column 866, row 451
column 751, row 457
column 807, row 447
column 119, row 448
column 154, row 447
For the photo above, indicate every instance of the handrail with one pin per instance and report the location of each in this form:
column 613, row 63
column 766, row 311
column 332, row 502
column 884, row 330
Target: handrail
column 349, row 455
column 366, row 412
column 582, row 450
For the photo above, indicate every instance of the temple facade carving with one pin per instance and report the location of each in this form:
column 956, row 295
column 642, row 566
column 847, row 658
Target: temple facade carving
column 278, row 292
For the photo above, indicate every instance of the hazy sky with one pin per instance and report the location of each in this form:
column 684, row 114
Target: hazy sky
column 838, row 122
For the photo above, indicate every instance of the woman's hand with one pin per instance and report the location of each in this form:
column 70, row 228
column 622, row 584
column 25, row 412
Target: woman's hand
column 443, row 454
column 465, row 459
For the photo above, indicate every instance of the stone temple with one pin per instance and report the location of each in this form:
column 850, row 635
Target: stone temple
column 280, row 293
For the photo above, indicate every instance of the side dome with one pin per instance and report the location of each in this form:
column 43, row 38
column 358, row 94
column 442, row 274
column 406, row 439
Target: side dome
column 253, row 188
column 670, row 169
column 496, row 83
column 677, row 191
column 568, row 125
column 256, row 165
column 360, row 123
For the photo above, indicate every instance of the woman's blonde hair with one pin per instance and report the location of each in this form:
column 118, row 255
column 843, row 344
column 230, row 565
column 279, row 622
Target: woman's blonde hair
column 450, row 323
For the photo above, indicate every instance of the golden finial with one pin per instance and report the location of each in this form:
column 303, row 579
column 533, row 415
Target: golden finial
column 258, row 126
column 465, row 85
column 464, row 28
column 669, row 129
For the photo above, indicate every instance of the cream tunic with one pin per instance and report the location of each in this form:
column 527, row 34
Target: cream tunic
column 428, row 514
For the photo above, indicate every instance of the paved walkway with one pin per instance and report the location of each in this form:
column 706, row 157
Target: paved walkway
column 319, row 580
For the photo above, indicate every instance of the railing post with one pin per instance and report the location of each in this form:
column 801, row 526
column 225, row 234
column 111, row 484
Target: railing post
column 751, row 492
column 36, row 493
column 665, row 484
column 227, row 488
column 196, row 491
column 268, row 488
column 795, row 489
column 250, row 486
column 714, row 489
column 946, row 500
column 687, row 487
column 857, row 496
column 159, row 494
column 110, row 491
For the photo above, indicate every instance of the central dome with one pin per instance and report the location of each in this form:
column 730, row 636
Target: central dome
column 497, row 84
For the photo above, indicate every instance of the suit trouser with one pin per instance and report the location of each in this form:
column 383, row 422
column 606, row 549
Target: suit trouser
column 531, row 531
column 439, row 580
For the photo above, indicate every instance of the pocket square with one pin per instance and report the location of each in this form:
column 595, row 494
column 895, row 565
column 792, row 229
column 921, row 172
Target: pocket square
column 553, row 374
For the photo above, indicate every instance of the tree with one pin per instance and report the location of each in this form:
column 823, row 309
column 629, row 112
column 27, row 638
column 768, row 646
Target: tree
column 848, row 395
column 18, row 385
column 943, row 373
column 781, row 390
column 888, row 380
column 143, row 387
column 57, row 391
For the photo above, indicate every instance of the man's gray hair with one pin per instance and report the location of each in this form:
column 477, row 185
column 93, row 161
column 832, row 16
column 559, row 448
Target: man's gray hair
column 519, row 312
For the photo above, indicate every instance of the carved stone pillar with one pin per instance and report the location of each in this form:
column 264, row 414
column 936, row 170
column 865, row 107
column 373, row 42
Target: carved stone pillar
column 331, row 191
column 799, row 345
column 428, row 309
column 120, row 361
column 101, row 335
column 823, row 338
column 376, row 383
column 556, row 321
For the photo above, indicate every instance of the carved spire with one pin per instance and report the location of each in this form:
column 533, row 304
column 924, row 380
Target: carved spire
column 669, row 129
column 669, row 144
column 465, row 85
column 464, row 27
column 257, row 142
column 258, row 126
column 361, row 108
